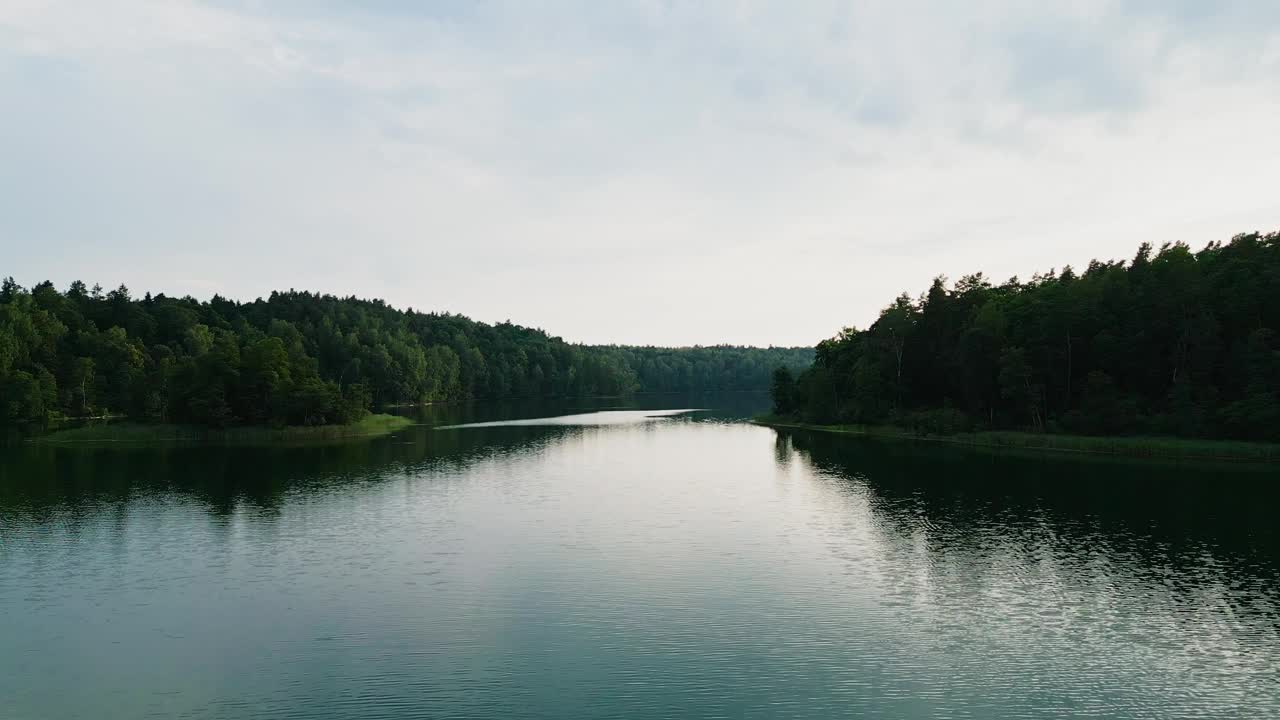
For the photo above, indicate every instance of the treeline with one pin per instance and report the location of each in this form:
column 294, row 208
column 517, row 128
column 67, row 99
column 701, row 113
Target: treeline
column 1173, row 342
column 299, row 358
column 719, row 367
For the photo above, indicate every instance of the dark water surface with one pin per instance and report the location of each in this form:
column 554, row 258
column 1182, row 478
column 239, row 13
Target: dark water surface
column 621, row 565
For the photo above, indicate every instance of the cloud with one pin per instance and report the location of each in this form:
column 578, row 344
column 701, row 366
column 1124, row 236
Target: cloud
column 635, row 171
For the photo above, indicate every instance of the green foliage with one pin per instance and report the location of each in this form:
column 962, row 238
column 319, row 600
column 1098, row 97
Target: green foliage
column 783, row 391
column 937, row 421
column 710, row 368
column 23, row 399
column 301, row 359
column 132, row 432
column 1131, row 445
column 1174, row 342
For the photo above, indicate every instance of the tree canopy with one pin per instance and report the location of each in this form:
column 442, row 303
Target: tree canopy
column 308, row 359
column 1173, row 342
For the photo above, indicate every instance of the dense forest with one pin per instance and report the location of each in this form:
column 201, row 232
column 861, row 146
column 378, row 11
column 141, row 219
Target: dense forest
column 305, row 359
column 1173, row 342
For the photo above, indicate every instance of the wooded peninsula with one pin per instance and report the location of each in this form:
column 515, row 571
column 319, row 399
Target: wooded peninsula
column 304, row 359
column 1173, row 343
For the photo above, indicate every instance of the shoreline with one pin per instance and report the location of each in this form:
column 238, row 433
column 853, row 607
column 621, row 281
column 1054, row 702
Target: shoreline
column 374, row 425
column 1162, row 448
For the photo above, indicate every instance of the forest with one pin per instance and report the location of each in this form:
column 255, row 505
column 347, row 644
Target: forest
column 298, row 358
column 1172, row 342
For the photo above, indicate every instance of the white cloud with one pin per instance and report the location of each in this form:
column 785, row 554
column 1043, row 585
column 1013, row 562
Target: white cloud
column 639, row 172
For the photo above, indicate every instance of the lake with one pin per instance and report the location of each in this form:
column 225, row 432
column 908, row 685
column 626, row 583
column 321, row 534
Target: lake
column 619, row 564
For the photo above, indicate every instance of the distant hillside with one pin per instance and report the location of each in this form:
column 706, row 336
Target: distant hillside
column 306, row 359
column 1173, row 342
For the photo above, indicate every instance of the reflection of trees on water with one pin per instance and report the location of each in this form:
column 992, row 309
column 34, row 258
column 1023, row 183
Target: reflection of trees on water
column 1069, row 552
column 1166, row 510
column 39, row 480
column 36, row 479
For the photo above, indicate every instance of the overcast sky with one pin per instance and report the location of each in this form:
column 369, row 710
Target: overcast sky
column 640, row 172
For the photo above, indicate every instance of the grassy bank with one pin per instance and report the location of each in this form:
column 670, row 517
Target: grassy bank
column 1154, row 447
column 127, row 432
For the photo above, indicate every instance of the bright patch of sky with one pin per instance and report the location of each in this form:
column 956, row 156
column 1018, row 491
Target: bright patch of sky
column 639, row 172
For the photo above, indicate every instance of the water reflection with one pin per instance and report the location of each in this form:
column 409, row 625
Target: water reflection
column 689, row 566
column 39, row 479
column 599, row 417
column 35, row 480
column 1163, row 574
column 1170, row 511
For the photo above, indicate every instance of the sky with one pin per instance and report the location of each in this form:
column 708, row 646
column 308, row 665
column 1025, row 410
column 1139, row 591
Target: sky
column 642, row 171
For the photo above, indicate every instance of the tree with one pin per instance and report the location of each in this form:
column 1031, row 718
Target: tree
column 82, row 379
column 299, row 357
column 1174, row 342
column 783, row 391
column 22, row 401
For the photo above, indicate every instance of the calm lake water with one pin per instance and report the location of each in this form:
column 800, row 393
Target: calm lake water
column 627, row 566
